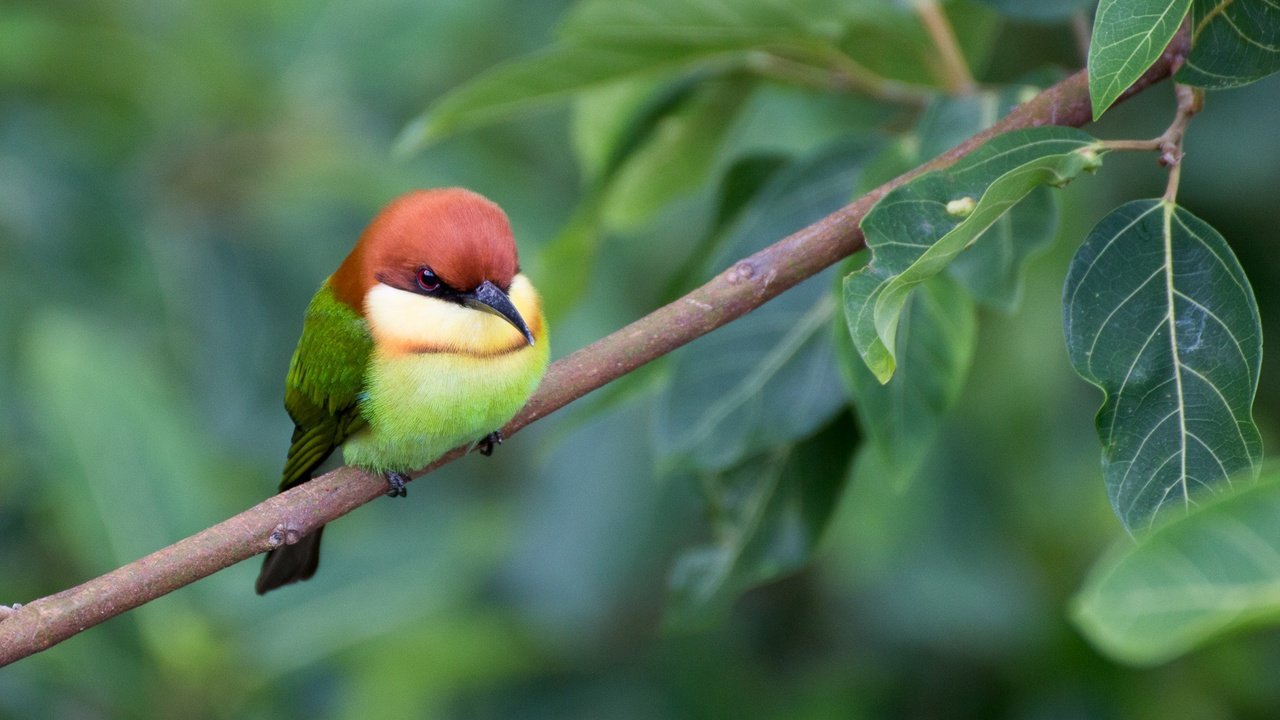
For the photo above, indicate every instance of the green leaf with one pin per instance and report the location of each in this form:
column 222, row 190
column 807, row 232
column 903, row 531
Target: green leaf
column 534, row 82
column 678, row 154
column 1159, row 314
column 936, row 339
column 703, row 23
column 569, row 257
column 1199, row 577
column 1233, row 42
column 608, row 123
column 744, row 179
column 769, row 378
column 1128, row 37
column 915, row 231
column 767, row 516
column 605, row 41
column 893, row 44
column 991, row 270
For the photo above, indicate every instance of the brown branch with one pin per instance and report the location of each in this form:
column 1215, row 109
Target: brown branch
column 733, row 293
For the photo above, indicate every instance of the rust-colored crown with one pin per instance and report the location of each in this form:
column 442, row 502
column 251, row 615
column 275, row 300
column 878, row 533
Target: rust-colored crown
column 462, row 236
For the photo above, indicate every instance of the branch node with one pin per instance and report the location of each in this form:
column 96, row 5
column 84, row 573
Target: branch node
column 741, row 272
column 283, row 534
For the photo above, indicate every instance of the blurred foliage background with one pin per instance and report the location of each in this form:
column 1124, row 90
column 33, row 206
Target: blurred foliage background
column 177, row 178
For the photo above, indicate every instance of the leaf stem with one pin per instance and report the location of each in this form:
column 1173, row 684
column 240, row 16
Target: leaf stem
column 955, row 70
column 1169, row 142
column 1190, row 101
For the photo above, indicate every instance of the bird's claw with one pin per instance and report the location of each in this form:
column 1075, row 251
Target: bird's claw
column 490, row 441
column 395, row 484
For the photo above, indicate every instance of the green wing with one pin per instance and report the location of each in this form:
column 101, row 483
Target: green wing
column 325, row 379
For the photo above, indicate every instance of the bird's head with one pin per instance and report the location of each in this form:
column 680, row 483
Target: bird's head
column 436, row 271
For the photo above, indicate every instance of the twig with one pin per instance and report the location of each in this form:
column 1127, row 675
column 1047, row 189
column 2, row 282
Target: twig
column 730, row 295
column 1169, row 142
column 1190, row 101
column 955, row 69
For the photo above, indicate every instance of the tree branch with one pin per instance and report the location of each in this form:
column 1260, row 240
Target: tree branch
column 749, row 283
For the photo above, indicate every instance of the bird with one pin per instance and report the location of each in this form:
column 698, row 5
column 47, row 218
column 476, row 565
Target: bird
column 428, row 336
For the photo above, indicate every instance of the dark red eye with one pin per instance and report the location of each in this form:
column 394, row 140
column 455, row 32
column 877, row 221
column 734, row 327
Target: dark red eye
column 427, row 280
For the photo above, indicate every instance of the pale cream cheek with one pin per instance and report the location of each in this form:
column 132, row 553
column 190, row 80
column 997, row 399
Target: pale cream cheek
column 407, row 322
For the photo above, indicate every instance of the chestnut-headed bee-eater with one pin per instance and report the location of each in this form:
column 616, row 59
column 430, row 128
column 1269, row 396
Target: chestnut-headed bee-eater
column 426, row 337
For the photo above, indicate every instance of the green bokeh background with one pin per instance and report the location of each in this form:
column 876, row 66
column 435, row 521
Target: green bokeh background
column 175, row 180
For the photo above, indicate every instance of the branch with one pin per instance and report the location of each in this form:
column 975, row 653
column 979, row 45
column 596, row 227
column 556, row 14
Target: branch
column 746, row 285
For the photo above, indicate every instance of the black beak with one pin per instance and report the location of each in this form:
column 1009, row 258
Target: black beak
column 490, row 299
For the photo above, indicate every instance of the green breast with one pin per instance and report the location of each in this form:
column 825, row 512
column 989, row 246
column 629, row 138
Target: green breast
column 420, row 406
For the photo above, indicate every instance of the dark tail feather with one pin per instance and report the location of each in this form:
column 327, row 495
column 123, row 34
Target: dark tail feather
column 290, row 563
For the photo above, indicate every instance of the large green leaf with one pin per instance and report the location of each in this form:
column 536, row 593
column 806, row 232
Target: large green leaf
column 1159, row 314
column 1191, row 580
column 919, row 228
column 1128, row 37
column 936, row 339
column 1234, row 42
column 770, row 378
column 767, row 515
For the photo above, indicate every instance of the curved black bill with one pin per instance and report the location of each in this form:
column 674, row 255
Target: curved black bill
column 489, row 298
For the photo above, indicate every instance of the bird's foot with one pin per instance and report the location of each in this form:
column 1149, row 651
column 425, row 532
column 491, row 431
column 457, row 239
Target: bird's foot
column 395, row 484
column 490, row 441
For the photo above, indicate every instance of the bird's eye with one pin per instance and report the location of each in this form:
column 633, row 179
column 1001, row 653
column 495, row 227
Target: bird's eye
column 427, row 280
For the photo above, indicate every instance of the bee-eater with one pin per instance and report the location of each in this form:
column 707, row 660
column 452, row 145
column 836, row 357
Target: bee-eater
column 426, row 337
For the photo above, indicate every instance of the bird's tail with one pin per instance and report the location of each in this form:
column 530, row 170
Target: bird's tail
column 290, row 563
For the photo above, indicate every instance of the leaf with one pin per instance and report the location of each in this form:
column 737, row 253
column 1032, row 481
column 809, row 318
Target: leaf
column 624, row 115
column 744, row 179
column 678, row 155
column 748, row 388
column 605, row 41
column 769, row 378
column 569, row 257
column 702, row 23
column 900, row 419
column 893, row 44
column 767, row 516
column 1233, row 43
column 991, row 270
column 1159, row 314
column 1128, row 37
column 1192, row 580
column 532, row 82
column 919, row 228
column 608, row 123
